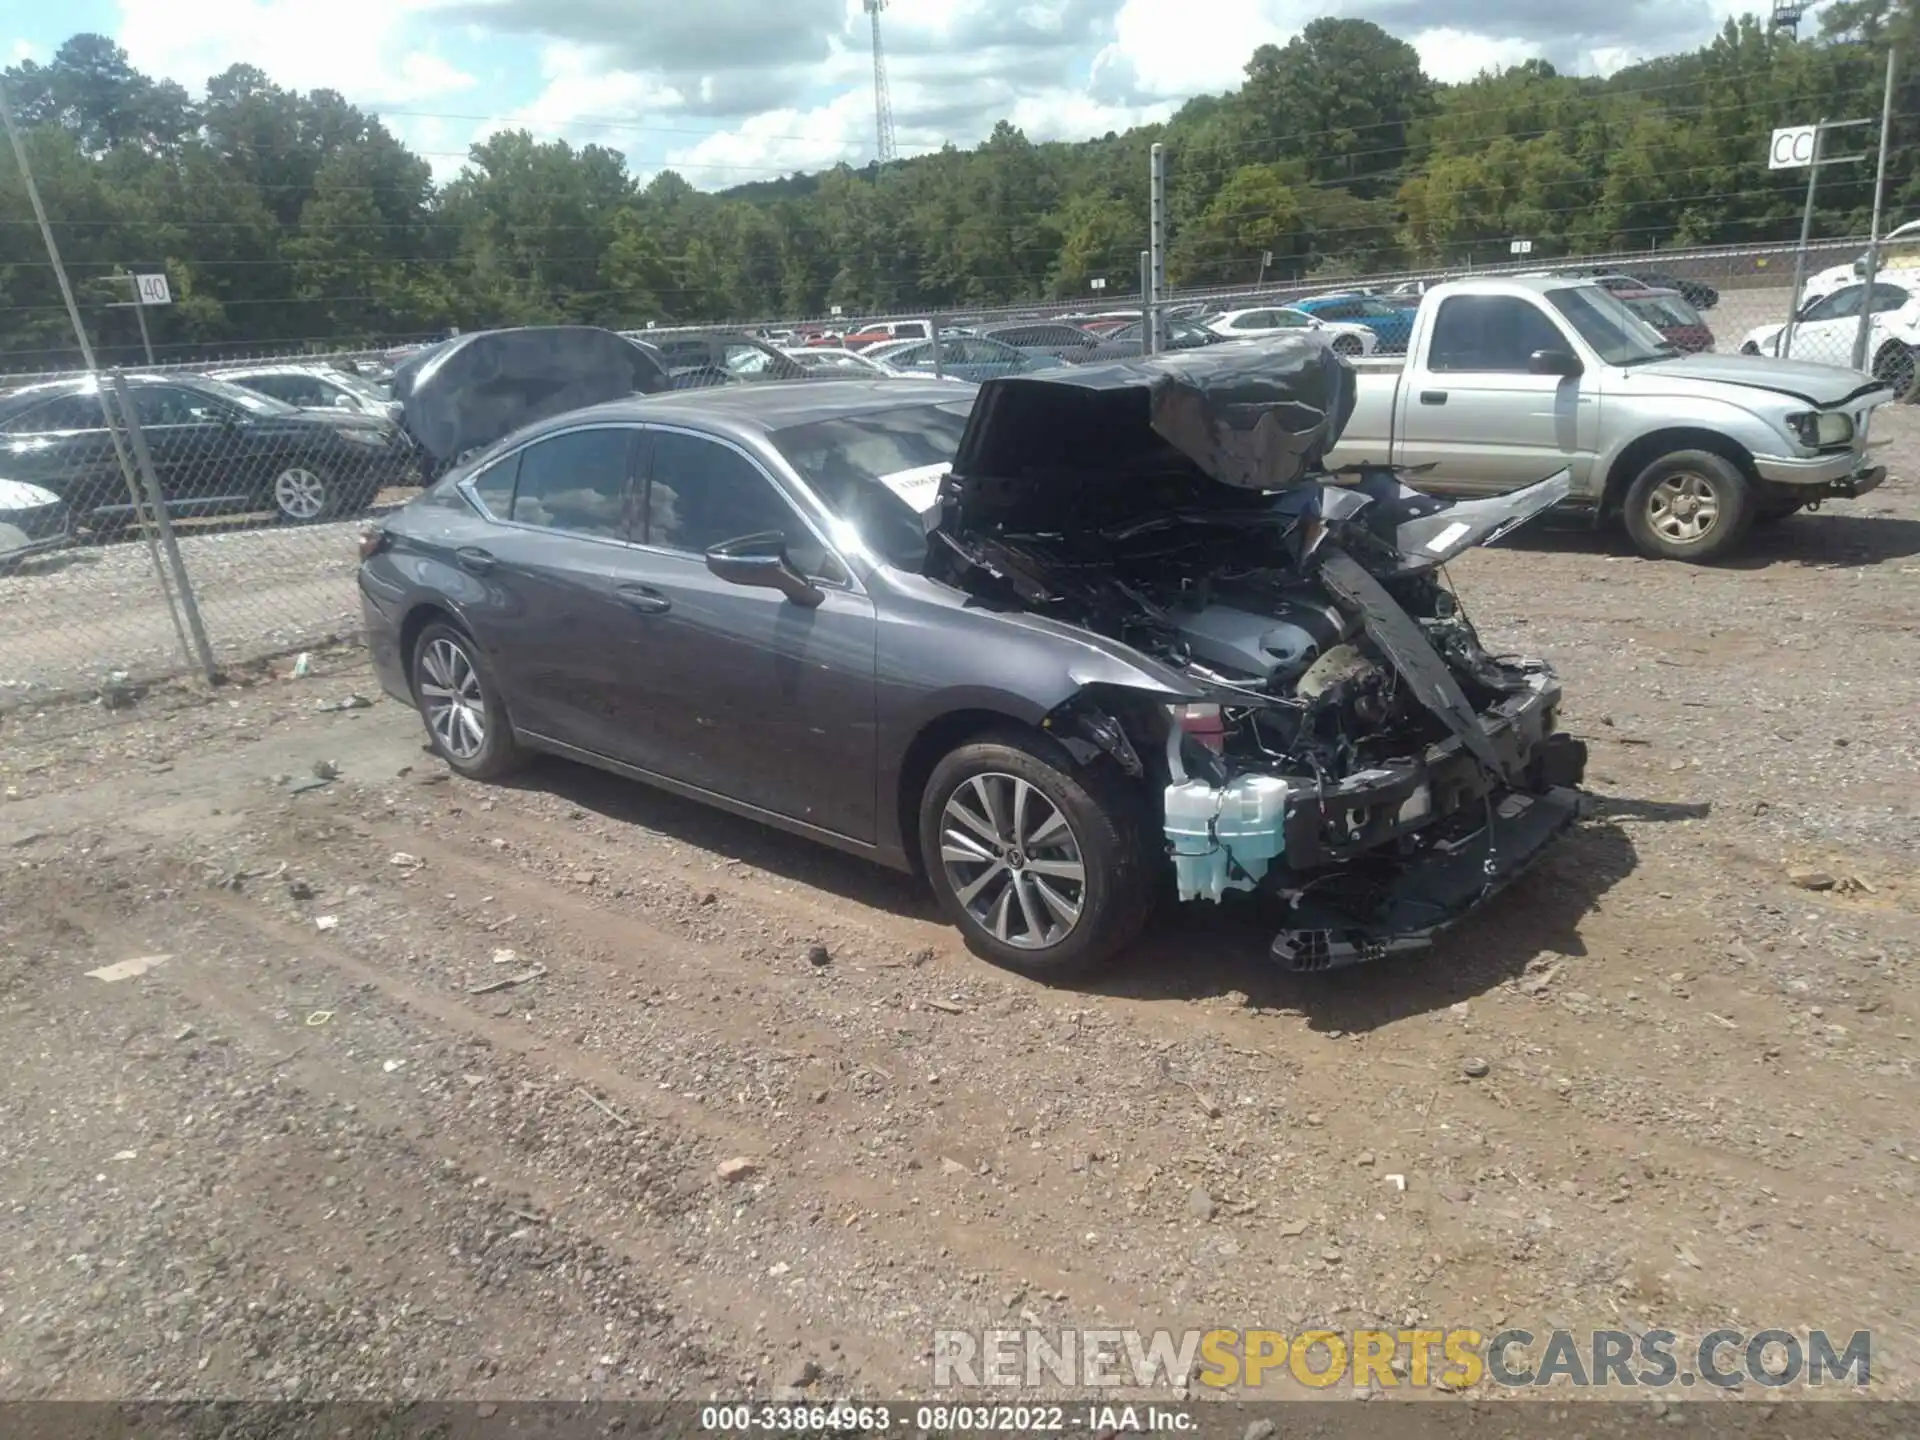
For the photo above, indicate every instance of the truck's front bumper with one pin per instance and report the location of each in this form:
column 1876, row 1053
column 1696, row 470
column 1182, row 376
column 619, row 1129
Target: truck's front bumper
column 1845, row 475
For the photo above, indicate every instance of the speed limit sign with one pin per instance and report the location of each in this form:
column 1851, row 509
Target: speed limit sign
column 152, row 289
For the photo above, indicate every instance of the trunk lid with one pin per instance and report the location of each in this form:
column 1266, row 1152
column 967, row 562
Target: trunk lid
column 468, row 392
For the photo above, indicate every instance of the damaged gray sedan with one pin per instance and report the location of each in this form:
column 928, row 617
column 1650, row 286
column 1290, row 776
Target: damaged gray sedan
column 1062, row 646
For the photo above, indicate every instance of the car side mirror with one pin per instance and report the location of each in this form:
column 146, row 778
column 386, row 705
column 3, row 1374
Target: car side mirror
column 1563, row 363
column 761, row 561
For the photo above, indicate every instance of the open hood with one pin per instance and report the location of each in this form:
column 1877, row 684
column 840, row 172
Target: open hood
column 1253, row 418
column 1822, row 385
column 472, row 390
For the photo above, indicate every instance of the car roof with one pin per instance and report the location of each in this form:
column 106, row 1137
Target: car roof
column 227, row 371
column 759, row 409
column 17, row 400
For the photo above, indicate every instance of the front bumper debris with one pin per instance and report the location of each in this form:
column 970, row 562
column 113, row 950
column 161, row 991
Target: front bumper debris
column 1432, row 893
column 1844, row 474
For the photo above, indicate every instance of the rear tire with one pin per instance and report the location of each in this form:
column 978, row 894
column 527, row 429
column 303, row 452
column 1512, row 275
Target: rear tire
column 461, row 704
column 1346, row 345
column 1689, row 505
column 1895, row 364
column 304, row 495
column 1046, row 868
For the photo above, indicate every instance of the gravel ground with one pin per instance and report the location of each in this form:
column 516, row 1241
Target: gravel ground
column 310, row 1154
column 76, row 616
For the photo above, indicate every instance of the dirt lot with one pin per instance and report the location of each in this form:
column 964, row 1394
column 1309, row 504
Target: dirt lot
column 303, row 1156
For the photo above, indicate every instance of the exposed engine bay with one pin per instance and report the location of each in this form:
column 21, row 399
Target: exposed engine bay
column 1350, row 738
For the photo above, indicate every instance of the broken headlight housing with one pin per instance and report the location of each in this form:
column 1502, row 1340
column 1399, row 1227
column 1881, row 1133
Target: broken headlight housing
column 1821, row 429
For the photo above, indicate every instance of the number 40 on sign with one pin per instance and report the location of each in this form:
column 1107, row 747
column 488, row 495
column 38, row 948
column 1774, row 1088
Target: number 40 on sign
column 152, row 289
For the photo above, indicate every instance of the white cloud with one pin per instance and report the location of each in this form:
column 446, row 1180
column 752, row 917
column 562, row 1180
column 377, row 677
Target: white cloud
column 1173, row 49
column 777, row 142
column 1451, row 56
column 371, row 51
column 22, row 50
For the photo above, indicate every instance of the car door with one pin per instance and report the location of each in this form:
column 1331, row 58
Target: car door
column 1477, row 414
column 1825, row 330
column 553, row 584
column 63, row 445
column 202, row 454
column 735, row 689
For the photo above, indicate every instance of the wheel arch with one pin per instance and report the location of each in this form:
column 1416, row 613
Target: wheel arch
column 1097, row 724
column 1642, row 452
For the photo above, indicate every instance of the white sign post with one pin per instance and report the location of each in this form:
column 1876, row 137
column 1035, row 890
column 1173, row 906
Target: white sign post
column 1520, row 247
column 152, row 290
column 1792, row 147
column 1099, row 282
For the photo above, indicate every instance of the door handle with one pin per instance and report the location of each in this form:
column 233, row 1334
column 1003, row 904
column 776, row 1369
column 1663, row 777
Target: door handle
column 473, row 559
column 644, row 598
column 1433, row 397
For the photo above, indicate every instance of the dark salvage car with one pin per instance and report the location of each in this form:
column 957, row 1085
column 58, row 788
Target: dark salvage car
column 1061, row 646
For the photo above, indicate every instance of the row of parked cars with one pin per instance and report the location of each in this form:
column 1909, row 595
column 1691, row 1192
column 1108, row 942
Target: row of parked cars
column 301, row 443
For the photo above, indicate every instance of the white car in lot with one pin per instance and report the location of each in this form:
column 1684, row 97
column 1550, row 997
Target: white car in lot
column 1277, row 319
column 1900, row 250
column 839, row 362
column 1825, row 328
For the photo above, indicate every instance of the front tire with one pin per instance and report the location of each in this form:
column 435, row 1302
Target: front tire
column 1044, row 867
column 1690, row 505
column 460, row 702
column 1346, row 345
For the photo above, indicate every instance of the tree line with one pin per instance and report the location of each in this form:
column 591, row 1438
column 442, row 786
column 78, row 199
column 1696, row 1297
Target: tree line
column 285, row 219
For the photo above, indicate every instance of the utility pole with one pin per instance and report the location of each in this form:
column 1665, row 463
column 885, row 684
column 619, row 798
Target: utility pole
column 1157, row 245
column 886, row 146
column 1784, row 347
column 1862, row 333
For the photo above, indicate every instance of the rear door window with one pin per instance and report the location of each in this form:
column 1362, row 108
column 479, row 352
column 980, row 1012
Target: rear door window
column 577, row 482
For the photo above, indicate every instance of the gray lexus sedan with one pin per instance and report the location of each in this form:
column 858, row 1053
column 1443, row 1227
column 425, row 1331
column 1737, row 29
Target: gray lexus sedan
column 1063, row 645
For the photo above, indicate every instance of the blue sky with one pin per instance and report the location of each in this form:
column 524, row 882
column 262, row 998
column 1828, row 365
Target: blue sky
column 728, row 91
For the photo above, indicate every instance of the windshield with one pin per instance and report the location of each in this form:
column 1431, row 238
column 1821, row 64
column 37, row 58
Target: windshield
column 252, row 401
column 1616, row 334
column 858, row 463
column 361, row 385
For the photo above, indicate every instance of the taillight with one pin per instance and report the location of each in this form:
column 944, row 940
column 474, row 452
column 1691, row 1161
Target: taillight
column 1204, row 724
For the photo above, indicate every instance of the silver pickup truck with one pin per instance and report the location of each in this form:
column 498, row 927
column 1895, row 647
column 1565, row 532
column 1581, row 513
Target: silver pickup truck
column 1509, row 380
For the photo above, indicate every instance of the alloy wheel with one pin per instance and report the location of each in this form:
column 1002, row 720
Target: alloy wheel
column 1013, row 861
column 299, row 494
column 1684, row 507
column 451, row 695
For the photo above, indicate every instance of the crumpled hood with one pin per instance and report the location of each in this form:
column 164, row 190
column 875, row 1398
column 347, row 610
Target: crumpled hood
column 1256, row 418
column 472, row 390
column 1823, row 385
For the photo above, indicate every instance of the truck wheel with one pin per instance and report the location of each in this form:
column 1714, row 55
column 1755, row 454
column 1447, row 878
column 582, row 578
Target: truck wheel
column 1689, row 505
column 1044, row 867
column 1346, row 345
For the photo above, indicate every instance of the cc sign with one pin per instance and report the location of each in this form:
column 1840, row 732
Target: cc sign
column 1792, row 148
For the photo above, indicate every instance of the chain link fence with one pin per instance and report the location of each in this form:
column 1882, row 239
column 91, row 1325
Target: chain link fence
column 186, row 519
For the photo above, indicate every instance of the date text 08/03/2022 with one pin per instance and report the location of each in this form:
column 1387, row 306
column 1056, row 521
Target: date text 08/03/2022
column 974, row 1419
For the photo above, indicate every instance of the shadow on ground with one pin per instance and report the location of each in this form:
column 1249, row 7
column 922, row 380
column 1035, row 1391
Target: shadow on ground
column 1825, row 538
column 1197, row 951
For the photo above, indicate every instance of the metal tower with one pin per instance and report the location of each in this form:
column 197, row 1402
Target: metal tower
column 882, row 100
column 1786, row 16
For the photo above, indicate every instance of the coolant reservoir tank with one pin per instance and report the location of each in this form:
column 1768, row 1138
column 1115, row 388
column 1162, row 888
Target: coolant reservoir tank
column 1224, row 838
